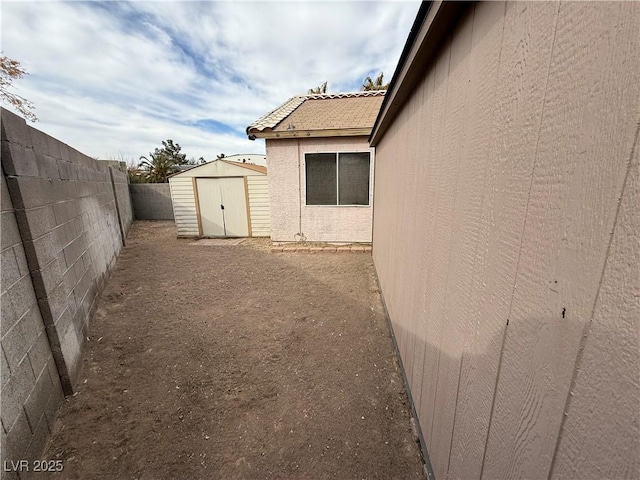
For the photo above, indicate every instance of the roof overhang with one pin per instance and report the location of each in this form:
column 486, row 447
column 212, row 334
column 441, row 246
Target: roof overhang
column 345, row 132
column 431, row 26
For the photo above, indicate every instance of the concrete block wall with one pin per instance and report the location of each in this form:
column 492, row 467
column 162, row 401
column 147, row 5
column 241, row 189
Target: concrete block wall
column 124, row 205
column 151, row 201
column 31, row 389
column 64, row 220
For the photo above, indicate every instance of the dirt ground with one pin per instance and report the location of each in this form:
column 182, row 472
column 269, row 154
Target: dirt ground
column 220, row 362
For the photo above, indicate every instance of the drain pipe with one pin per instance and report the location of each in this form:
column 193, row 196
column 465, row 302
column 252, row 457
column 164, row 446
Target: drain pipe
column 299, row 237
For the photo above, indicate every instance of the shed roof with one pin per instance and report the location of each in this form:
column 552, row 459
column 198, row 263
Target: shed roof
column 250, row 166
column 320, row 115
column 207, row 166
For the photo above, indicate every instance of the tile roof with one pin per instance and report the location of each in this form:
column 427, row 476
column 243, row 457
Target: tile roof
column 272, row 118
column 318, row 112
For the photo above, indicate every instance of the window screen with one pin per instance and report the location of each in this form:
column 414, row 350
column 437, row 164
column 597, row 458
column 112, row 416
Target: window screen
column 321, row 178
column 353, row 178
column 337, row 179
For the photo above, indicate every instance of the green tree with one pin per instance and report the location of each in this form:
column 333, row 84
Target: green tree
column 11, row 70
column 322, row 88
column 158, row 167
column 172, row 152
column 378, row 84
column 162, row 162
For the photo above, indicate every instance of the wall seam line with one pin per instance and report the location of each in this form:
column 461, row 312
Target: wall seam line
column 535, row 161
column 446, row 98
column 586, row 330
column 451, row 236
column 493, row 401
column 526, row 216
column 524, row 226
column 428, row 279
column 475, row 252
column 455, row 413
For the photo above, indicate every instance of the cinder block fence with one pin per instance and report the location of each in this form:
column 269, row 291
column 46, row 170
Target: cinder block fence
column 151, row 201
column 64, row 220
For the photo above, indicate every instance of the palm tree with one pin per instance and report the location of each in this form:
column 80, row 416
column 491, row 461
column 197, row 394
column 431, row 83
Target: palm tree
column 158, row 168
column 322, row 88
column 377, row 85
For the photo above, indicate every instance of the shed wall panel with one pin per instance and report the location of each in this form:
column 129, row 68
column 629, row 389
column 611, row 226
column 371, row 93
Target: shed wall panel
column 184, row 206
column 259, row 205
column 462, row 206
column 496, row 192
column 580, row 162
column 606, row 378
column 444, row 191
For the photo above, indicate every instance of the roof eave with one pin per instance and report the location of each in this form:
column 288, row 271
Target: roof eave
column 429, row 29
column 334, row 132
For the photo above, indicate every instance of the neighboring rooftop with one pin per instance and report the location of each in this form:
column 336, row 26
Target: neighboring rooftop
column 320, row 115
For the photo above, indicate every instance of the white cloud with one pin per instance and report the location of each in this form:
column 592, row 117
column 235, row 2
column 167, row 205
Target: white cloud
column 113, row 78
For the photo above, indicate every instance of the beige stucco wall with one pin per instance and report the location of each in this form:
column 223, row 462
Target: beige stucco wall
column 290, row 215
column 506, row 242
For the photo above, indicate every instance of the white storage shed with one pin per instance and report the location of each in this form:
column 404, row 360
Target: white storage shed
column 221, row 199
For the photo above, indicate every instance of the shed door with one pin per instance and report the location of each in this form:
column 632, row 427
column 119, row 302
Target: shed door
column 223, row 207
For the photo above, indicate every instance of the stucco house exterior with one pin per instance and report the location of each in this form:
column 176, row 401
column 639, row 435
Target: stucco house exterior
column 320, row 166
column 507, row 236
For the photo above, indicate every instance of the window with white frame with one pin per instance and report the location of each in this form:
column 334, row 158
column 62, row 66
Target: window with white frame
column 337, row 178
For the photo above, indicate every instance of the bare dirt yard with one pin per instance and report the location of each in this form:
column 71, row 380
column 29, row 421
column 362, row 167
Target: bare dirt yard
column 221, row 362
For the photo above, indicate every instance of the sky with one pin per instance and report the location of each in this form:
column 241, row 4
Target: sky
column 114, row 79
